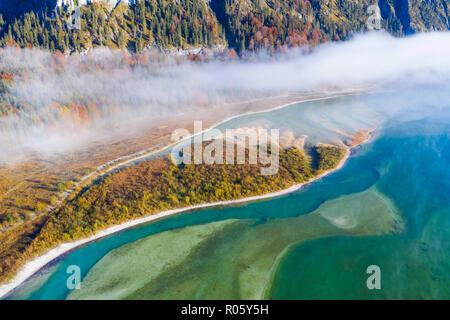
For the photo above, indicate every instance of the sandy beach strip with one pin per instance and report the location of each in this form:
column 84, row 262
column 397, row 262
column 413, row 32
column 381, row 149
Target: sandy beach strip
column 33, row 266
column 38, row 263
column 125, row 160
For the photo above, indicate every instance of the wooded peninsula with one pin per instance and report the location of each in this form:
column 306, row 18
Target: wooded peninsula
column 157, row 185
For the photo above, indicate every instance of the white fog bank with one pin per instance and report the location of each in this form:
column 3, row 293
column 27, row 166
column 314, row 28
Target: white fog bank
column 58, row 96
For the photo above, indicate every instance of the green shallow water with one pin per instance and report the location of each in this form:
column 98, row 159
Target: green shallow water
column 235, row 262
column 388, row 206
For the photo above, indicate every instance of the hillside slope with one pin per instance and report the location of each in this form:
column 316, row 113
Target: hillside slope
column 239, row 24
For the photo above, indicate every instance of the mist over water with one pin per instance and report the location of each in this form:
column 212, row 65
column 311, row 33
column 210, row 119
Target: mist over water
column 63, row 103
column 388, row 206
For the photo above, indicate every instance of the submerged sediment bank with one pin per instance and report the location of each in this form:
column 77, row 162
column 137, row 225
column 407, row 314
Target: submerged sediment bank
column 38, row 263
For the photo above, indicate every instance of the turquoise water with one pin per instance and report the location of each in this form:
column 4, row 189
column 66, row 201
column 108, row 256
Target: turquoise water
column 389, row 206
column 414, row 264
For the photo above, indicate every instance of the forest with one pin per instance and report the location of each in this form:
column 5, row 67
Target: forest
column 153, row 23
column 239, row 25
column 328, row 157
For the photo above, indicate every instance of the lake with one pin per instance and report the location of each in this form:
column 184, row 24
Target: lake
column 389, row 206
